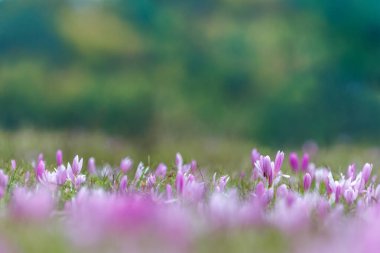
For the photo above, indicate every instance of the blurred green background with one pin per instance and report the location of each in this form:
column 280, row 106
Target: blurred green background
column 151, row 72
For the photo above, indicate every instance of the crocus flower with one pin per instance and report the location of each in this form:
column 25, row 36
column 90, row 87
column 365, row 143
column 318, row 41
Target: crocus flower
column 255, row 155
column 40, row 170
column 367, row 169
column 305, row 162
column 35, row 205
column 161, row 170
column 91, row 167
column 59, row 157
column 349, row 196
column 351, row 170
column 123, row 184
column 306, row 182
column 3, row 183
column 77, row 165
column 61, row 175
column 278, row 161
column 293, row 161
column 178, row 161
column 179, row 182
column 13, row 165
column 126, row 164
column 193, row 166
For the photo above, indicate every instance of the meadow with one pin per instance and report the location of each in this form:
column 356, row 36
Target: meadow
column 230, row 199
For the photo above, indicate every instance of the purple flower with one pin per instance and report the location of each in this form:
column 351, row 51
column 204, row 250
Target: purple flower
column 169, row 192
column 40, row 157
column 222, row 182
column 123, row 184
column 351, row 170
column 193, row 166
column 349, row 196
column 61, row 175
column 307, row 182
column 77, row 165
column 151, row 181
column 255, row 155
column 161, row 170
column 3, row 183
column 178, row 161
column 179, row 182
column 260, row 189
column 293, row 161
column 282, row 191
column 126, row 165
column 40, row 170
column 31, row 205
column 367, row 169
column 59, row 157
column 13, row 165
column 305, row 162
column 91, row 166
column 278, row 161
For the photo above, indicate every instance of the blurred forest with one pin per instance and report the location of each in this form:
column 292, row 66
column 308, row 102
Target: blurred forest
column 268, row 70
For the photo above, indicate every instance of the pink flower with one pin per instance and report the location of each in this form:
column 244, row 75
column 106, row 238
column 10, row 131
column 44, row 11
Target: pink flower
column 305, row 162
column 349, row 196
column 278, row 161
column 351, row 170
column 161, row 170
column 123, row 184
column 255, row 155
column 293, row 161
column 40, row 170
column 367, row 169
column 32, row 205
column 126, row 164
column 282, row 191
column 193, row 166
column 151, row 181
column 13, row 165
column 77, row 165
column 59, row 157
column 61, row 175
column 3, row 183
column 307, row 182
column 179, row 182
column 178, row 161
column 91, row 167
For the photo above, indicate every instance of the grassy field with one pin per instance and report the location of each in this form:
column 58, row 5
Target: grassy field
column 215, row 153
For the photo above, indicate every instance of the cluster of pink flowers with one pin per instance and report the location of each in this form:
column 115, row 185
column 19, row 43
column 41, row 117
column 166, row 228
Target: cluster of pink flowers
column 176, row 205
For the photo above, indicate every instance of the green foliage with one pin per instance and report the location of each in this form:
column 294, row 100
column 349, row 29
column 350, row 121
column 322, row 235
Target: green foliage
column 274, row 71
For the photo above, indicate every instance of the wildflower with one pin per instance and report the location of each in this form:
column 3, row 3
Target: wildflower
column 126, row 165
column 178, row 161
column 255, row 155
column 179, row 182
column 293, row 161
column 13, row 165
column 367, row 169
column 278, row 161
column 305, row 162
column 40, row 169
column 3, row 183
column 61, row 175
column 307, row 182
column 193, row 166
column 123, row 184
column 91, row 167
column 59, row 157
column 77, row 165
column 161, row 170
